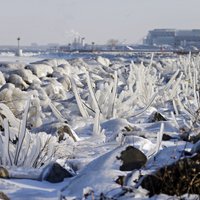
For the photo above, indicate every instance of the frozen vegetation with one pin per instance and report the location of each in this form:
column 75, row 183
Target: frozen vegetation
column 100, row 127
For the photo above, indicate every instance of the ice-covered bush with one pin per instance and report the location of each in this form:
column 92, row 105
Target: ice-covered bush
column 55, row 90
column 13, row 97
column 15, row 100
column 19, row 147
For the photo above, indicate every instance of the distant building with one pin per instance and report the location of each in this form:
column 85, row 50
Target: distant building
column 173, row 38
column 161, row 37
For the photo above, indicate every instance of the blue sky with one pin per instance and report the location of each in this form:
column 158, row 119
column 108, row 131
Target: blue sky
column 58, row 21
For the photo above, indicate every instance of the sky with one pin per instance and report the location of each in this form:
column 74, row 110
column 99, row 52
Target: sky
column 59, row 21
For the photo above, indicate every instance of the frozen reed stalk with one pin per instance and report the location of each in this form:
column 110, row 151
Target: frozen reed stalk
column 92, row 92
column 196, row 102
column 159, row 137
column 112, row 98
column 189, row 59
column 174, row 89
column 160, row 93
column 131, row 79
column 56, row 112
column 5, row 144
column 183, row 109
column 22, row 132
column 175, row 107
column 170, row 82
column 151, row 62
column 78, row 99
column 186, row 124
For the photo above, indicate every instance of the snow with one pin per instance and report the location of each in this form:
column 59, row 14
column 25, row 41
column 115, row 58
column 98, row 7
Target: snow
column 107, row 102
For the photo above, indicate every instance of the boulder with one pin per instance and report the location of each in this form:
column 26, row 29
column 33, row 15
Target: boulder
column 132, row 158
column 166, row 137
column 17, row 81
column 40, row 70
column 27, row 76
column 55, row 173
column 3, row 172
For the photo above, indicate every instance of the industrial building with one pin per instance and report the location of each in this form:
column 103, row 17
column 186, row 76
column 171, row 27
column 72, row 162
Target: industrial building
column 174, row 38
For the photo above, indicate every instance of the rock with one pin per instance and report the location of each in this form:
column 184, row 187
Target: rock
column 156, row 117
column 61, row 130
column 3, row 172
column 55, row 173
column 3, row 196
column 166, row 137
column 177, row 179
column 40, row 70
column 17, row 81
column 132, row 158
column 195, row 138
column 28, row 76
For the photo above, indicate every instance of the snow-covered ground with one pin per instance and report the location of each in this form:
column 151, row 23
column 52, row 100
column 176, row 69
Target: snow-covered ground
column 83, row 112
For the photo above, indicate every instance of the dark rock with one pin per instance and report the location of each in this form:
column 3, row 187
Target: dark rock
column 166, row 137
column 156, row 117
column 177, row 179
column 132, row 158
column 120, row 180
column 56, row 173
column 3, row 196
column 3, row 172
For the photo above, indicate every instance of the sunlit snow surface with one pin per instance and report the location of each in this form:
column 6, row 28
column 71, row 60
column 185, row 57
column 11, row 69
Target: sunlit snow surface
column 94, row 155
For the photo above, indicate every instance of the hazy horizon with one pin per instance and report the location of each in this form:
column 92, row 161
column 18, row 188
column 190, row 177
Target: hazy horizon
column 50, row 21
